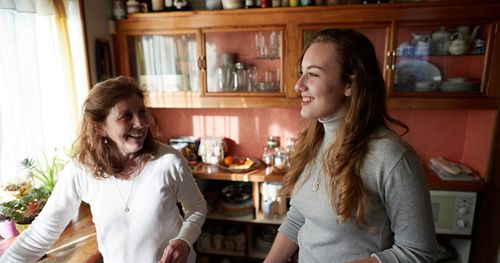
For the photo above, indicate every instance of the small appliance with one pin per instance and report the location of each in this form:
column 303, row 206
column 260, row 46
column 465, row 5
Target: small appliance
column 453, row 211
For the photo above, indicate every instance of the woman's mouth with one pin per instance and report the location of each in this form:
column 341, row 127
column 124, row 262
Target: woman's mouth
column 307, row 100
column 136, row 135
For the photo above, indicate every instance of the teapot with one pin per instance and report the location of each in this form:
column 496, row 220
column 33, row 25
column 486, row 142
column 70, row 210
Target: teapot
column 440, row 41
column 419, row 37
column 465, row 31
column 458, row 45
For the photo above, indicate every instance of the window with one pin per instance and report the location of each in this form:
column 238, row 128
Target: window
column 43, row 79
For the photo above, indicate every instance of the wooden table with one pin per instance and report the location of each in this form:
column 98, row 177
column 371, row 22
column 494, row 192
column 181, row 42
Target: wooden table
column 77, row 244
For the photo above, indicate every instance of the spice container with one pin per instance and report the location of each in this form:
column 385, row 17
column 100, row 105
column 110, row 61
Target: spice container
column 280, row 157
column 119, row 11
column 273, row 142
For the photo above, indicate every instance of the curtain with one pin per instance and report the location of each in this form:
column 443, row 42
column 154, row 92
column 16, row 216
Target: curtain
column 42, row 81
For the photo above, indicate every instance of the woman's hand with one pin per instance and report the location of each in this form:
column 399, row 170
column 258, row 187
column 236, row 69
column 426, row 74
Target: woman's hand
column 177, row 251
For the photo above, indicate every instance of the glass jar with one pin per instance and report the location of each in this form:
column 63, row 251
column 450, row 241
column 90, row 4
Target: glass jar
column 119, row 11
column 240, row 77
column 280, row 157
column 268, row 156
column 273, row 142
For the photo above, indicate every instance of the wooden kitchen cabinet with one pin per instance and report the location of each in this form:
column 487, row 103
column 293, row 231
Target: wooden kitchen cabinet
column 201, row 37
column 229, row 228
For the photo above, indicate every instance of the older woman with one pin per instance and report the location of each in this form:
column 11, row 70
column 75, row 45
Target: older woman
column 131, row 182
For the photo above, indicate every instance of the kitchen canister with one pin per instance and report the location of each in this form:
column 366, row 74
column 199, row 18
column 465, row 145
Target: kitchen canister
column 212, row 149
column 213, row 4
column 232, row 4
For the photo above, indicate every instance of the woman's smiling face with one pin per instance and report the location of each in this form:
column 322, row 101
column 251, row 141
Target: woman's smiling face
column 323, row 93
column 127, row 125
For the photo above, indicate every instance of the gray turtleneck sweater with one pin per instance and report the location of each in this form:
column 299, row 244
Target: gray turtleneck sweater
column 399, row 208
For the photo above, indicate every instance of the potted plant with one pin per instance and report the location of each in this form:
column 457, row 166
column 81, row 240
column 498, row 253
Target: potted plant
column 7, row 228
column 29, row 200
column 46, row 172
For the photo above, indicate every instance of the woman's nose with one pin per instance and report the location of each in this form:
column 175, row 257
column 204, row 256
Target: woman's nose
column 300, row 85
column 139, row 121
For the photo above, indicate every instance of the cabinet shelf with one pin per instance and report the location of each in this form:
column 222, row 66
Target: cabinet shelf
column 445, row 56
column 222, row 252
column 435, row 183
column 212, row 172
column 428, row 100
column 258, row 219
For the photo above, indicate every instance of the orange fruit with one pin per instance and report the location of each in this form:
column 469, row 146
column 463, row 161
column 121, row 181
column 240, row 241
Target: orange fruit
column 228, row 160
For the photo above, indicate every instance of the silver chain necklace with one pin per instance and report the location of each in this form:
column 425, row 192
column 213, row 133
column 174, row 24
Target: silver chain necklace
column 127, row 209
column 316, row 184
column 138, row 169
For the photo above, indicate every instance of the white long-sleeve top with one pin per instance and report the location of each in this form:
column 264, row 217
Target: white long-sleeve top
column 140, row 235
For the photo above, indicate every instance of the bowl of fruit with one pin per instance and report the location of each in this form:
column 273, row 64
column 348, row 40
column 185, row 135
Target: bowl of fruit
column 237, row 164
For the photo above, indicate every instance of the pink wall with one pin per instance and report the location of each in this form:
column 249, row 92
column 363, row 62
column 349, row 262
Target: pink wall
column 454, row 134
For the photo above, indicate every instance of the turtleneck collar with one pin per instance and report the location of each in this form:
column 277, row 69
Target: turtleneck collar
column 330, row 125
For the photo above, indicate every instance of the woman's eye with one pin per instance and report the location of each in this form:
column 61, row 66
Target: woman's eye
column 126, row 116
column 311, row 74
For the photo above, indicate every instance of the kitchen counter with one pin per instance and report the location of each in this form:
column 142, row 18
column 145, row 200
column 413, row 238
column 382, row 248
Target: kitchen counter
column 263, row 174
column 77, row 244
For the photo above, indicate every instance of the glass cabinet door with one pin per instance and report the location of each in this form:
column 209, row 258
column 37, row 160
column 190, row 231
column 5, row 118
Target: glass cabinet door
column 164, row 63
column 377, row 34
column 440, row 59
column 244, row 62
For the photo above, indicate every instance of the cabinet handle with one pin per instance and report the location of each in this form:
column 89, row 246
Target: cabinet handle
column 389, row 53
column 202, row 63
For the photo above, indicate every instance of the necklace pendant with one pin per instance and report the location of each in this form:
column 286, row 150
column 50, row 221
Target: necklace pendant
column 126, row 209
column 315, row 187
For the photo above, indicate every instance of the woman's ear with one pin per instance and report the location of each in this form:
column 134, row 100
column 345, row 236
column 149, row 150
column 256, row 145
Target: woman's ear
column 348, row 87
column 348, row 91
column 100, row 130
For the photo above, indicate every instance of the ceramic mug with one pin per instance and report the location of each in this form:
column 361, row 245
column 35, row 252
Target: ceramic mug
column 229, row 243
column 218, row 241
column 204, row 241
column 240, row 242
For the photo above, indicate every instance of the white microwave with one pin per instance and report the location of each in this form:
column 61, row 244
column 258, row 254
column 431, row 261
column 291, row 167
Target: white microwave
column 453, row 211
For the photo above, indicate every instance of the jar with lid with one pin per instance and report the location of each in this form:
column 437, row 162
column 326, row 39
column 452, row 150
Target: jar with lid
column 273, row 142
column 158, row 5
column 280, row 157
column 133, row 7
column 119, row 11
column 240, row 77
column 250, row 4
column 213, row 4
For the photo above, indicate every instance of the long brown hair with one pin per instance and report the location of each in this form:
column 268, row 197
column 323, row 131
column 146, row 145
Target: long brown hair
column 366, row 111
column 104, row 159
